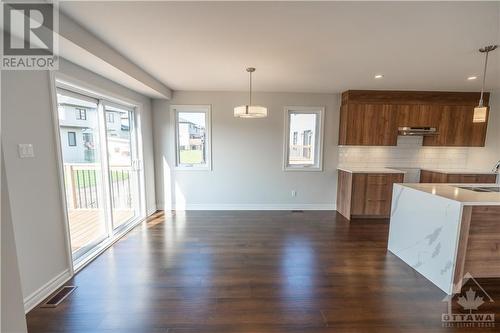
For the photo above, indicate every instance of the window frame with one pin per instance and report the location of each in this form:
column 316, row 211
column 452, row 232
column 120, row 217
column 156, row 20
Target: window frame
column 319, row 138
column 207, row 109
column 110, row 117
column 79, row 114
column 72, row 133
column 88, row 135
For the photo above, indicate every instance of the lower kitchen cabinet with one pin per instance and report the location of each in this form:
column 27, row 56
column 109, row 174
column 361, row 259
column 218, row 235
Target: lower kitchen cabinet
column 366, row 195
column 427, row 176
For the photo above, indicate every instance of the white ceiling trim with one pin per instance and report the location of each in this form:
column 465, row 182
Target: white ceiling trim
column 90, row 51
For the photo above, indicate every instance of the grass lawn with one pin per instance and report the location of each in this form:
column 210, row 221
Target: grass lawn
column 87, row 178
column 191, row 156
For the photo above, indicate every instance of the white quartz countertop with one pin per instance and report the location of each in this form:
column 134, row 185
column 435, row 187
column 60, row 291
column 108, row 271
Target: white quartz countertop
column 461, row 171
column 456, row 193
column 369, row 170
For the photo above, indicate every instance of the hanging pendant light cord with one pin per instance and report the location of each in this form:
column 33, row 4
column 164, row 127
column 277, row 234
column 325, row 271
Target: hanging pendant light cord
column 250, row 103
column 487, row 50
column 484, row 79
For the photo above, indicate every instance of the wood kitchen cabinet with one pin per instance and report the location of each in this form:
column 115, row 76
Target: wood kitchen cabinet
column 414, row 115
column 374, row 125
column 366, row 195
column 372, row 118
column 455, row 127
column 427, row 176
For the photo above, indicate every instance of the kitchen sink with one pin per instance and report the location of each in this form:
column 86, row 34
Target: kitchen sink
column 481, row 188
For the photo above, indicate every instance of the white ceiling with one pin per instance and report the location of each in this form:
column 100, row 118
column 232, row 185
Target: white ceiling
column 301, row 46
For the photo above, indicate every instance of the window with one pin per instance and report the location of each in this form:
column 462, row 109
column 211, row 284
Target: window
column 88, row 138
column 81, row 114
column 192, row 136
column 71, row 139
column 110, row 117
column 304, row 138
column 88, row 147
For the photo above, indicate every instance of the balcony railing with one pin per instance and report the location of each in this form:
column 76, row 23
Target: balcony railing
column 83, row 186
column 300, row 152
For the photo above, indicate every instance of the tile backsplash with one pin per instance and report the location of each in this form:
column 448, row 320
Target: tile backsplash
column 409, row 153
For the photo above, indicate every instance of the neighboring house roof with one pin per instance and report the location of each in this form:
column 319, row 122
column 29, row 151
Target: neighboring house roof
column 184, row 121
column 76, row 106
column 73, row 125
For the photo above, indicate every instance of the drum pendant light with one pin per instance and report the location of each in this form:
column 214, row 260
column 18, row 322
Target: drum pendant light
column 249, row 110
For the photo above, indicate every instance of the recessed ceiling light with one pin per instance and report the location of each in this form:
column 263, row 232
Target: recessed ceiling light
column 470, row 78
column 379, row 76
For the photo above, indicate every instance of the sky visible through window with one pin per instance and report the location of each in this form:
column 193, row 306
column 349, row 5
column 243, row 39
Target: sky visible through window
column 302, row 121
column 196, row 118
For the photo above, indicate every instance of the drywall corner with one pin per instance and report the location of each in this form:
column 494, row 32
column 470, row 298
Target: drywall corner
column 13, row 319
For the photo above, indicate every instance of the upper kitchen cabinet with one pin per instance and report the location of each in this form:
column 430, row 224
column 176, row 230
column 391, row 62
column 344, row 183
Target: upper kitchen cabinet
column 455, row 127
column 368, row 125
column 372, row 118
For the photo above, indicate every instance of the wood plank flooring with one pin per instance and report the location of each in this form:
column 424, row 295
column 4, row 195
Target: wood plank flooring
column 87, row 225
column 259, row 272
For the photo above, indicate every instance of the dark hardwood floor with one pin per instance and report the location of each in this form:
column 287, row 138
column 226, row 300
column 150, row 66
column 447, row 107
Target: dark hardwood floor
column 259, row 272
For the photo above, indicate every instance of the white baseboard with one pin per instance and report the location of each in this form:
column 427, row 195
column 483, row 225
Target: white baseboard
column 252, row 207
column 43, row 292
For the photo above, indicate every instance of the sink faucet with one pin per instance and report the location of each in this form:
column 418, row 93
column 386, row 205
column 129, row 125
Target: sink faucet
column 496, row 168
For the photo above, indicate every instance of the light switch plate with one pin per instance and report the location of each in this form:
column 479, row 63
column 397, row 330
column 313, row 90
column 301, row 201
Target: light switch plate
column 25, row 150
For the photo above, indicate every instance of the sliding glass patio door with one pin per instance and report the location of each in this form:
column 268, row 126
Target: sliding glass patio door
column 101, row 174
column 123, row 171
column 82, row 165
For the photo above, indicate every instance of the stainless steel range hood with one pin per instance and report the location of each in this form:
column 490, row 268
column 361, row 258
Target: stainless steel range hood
column 417, row 131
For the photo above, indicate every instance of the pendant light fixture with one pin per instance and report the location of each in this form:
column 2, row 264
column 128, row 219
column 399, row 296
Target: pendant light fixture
column 249, row 110
column 481, row 111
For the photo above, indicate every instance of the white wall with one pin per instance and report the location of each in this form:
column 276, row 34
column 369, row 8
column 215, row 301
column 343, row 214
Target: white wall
column 37, row 211
column 247, row 156
column 33, row 183
column 12, row 313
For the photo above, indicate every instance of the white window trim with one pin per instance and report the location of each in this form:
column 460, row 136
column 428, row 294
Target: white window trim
column 320, row 111
column 207, row 109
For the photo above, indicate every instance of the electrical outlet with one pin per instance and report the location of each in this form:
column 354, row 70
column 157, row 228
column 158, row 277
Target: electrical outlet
column 294, row 193
column 25, row 150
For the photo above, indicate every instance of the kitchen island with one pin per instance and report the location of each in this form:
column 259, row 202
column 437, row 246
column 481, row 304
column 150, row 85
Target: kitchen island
column 444, row 231
column 366, row 192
